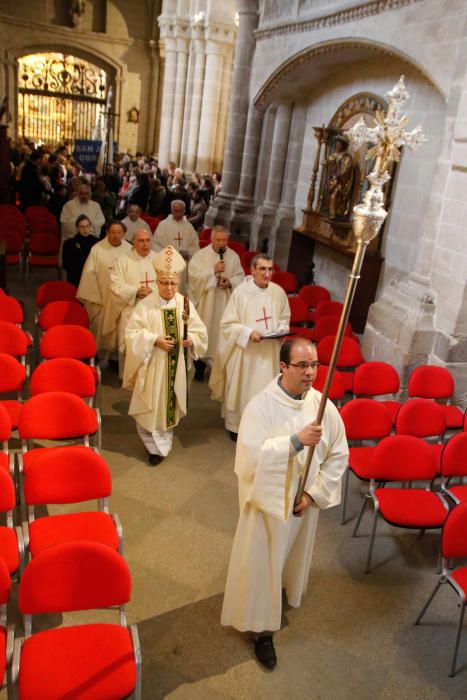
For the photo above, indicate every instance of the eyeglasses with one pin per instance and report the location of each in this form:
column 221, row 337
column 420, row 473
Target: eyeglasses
column 304, row 365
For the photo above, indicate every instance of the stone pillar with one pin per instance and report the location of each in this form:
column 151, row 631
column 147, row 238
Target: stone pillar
column 199, row 60
column 263, row 225
column 226, row 84
column 152, row 101
column 220, row 210
column 210, row 105
column 179, row 97
column 169, row 48
column 285, row 218
column 188, row 106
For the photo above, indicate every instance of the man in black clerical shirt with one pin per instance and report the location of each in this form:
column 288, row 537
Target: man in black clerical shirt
column 76, row 249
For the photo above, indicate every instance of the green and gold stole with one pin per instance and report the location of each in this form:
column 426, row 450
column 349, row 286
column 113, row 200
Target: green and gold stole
column 171, row 328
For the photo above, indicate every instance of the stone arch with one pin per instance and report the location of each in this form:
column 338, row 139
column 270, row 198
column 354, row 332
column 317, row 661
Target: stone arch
column 113, row 68
column 308, row 67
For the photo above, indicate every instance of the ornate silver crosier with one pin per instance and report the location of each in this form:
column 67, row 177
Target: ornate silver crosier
column 387, row 137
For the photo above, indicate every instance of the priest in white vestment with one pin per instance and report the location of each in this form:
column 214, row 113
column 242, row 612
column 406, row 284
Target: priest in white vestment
column 82, row 204
column 132, row 279
column 213, row 273
column 273, row 543
column 155, row 366
column 176, row 231
column 134, row 222
column 94, row 287
column 247, row 358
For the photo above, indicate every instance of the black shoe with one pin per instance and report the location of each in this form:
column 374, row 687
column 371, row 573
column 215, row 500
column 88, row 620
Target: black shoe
column 233, row 436
column 265, row 652
column 200, row 368
column 154, row 460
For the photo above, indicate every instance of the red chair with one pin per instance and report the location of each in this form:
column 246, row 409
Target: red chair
column 14, row 249
column 14, row 341
column 286, row 280
column 99, row 660
column 6, row 633
column 58, row 416
column 246, row 259
column 205, row 234
column 72, row 341
column 62, row 476
column 365, row 421
column 11, row 310
column 55, row 291
column 11, row 538
column 36, row 212
column 405, row 459
column 238, row 247
column 312, row 295
column 6, row 459
column 328, row 308
column 453, row 546
column 43, row 252
column 44, row 225
column 10, row 210
column 13, row 376
column 454, row 466
column 337, row 388
column 152, row 221
column 424, row 419
column 464, row 426
column 432, row 382
column 59, row 313
column 13, row 225
column 373, row 379
column 298, row 311
column 349, row 358
column 328, row 325
column 64, row 374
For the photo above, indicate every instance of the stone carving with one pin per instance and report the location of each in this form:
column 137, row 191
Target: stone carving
column 352, row 14
column 339, row 180
column 77, row 10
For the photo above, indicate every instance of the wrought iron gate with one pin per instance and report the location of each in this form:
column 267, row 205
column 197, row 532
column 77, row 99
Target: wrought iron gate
column 60, row 97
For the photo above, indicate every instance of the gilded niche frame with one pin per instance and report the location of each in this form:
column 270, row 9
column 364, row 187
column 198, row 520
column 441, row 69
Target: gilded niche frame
column 343, row 177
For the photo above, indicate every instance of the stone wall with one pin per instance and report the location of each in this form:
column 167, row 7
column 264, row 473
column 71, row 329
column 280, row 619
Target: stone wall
column 111, row 35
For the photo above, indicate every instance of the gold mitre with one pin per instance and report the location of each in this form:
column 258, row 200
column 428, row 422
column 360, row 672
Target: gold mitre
column 168, row 263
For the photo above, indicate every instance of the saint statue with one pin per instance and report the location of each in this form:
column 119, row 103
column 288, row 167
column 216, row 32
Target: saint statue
column 77, row 10
column 340, row 178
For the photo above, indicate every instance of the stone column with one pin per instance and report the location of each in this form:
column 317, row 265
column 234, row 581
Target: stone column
column 226, row 84
column 152, row 101
column 210, row 105
column 285, row 218
column 220, row 210
column 179, row 96
column 199, row 59
column 188, row 106
column 169, row 47
column 263, row 225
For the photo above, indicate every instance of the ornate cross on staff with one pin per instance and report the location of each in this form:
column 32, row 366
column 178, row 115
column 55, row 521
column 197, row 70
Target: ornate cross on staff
column 388, row 136
column 264, row 318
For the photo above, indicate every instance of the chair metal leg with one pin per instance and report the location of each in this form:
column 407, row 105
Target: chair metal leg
column 372, row 540
column 360, row 515
column 458, row 638
column 344, row 495
column 428, row 602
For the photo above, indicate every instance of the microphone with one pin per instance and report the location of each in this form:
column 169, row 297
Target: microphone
column 221, row 255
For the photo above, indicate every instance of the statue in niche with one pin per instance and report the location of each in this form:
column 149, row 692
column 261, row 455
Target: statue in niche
column 77, row 10
column 340, row 170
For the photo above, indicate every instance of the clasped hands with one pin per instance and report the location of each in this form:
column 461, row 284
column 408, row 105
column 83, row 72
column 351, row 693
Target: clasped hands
column 165, row 342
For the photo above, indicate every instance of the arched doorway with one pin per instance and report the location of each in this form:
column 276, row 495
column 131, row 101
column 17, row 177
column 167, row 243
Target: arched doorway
column 60, row 97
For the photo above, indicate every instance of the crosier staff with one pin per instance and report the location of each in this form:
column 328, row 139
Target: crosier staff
column 387, row 136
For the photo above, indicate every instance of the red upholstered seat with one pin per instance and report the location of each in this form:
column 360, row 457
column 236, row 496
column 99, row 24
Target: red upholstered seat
column 58, row 529
column 459, row 492
column 361, row 461
column 391, row 406
column 64, row 374
column 460, row 577
column 56, row 415
column 4, row 461
column 454, row 417
column 89, row 662
column 328, row 308
column 11, row 310
column 312, row 295
column 286, row 280
column 437, row 383
column 13, row 409
column 9, row 548
column 417, row 508
column 55, row 291
column 59, row 313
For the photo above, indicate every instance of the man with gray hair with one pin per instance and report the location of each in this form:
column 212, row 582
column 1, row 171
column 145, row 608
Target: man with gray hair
column 255, row 318
column 134, row 222
column 176, row 231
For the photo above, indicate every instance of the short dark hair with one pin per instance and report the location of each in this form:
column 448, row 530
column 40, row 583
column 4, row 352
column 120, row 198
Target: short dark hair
column 82, row 217
column 260, row 256
column 114, row 222
column 287, row 345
